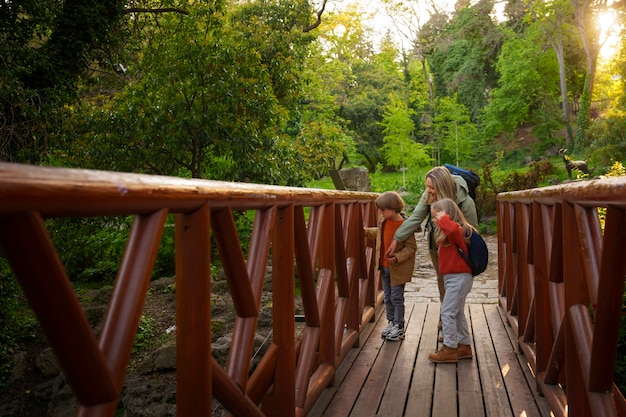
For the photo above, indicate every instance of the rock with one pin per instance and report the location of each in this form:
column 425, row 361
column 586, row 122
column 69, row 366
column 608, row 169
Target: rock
column 148, row 396
column 356, row 179
column 162, row 359
column 62, row 399
column 222, row 344
column 47, row 363
column 20, row 365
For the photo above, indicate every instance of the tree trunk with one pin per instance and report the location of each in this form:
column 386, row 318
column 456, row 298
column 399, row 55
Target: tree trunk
column 560, row 56
column 585, row 12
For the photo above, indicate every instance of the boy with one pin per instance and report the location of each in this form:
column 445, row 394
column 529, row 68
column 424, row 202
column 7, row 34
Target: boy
column 397, row 269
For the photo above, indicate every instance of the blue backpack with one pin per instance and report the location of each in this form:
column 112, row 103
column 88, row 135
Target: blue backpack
column 478, row 254
column 471, row 178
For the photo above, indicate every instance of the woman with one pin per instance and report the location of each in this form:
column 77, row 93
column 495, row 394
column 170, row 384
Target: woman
column 453, row 232
column 439, row 184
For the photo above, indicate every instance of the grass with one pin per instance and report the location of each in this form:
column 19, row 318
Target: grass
column 412, row 182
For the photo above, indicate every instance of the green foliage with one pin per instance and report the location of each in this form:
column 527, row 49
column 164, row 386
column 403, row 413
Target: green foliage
column 17, row 322
column 413, row 181
column 457, row 137
column 494, row 181
column 417, row 73
column 464, row 55
column 218, row 109
column 9, row 328
column 313, row 151
column 398, row 149
column 532, row 177
column 46, row 46
column 90, row 248
column 527, row 81
column 583, row 120
column 320, row 137
column 607, row 141
column 367, row 82
column 144, row 335
column 165, row 264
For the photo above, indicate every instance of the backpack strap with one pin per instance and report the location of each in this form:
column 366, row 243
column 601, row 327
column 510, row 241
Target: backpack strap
column 464, row 255
column 430, row 231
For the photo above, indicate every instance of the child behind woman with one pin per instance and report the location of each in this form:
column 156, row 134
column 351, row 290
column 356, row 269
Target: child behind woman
column 396, row 270
column 452, row 231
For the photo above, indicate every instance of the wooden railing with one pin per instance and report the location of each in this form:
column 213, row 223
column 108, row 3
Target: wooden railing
column 561, row 269
column 316, row 233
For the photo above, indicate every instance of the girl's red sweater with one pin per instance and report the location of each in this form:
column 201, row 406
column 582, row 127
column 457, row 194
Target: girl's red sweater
column 450, row 261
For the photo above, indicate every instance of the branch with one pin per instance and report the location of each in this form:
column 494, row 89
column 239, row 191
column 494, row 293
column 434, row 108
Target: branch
column 318, row 21
column 160, row 10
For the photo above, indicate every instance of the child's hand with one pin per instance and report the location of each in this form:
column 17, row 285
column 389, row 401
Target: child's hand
column 392, row 259
column 391, row 250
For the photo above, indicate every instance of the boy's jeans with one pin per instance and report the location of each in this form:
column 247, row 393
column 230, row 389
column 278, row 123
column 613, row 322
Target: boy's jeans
column 394, row 298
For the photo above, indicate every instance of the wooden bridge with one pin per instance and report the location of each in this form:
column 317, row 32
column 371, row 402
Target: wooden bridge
column 548, row 346
column 381, row 378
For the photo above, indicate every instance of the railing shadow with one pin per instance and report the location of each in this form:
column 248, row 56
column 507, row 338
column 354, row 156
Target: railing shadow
column 314, row 236
column 561, row 282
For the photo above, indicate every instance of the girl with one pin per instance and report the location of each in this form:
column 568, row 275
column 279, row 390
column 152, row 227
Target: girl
column 452, row 231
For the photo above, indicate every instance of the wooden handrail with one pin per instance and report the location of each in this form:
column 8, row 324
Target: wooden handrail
column 326, row 245
column 561, row 281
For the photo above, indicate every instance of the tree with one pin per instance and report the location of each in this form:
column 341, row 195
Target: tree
column 375, row 78
column 347, row 57
column 527, row 87
column 46, row 47
column 593, row 37
column 464, row 55
column 399, row 149
column 420, row 100
column 317, row 127
column 457, row 136
column 554, row 21
column 214, row 96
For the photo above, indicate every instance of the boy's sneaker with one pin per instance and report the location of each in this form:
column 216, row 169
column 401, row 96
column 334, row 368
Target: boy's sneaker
column 396, row 333
column 387, row 329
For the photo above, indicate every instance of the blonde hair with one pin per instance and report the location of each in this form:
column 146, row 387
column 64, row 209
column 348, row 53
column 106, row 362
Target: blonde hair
column 443, row 183
column 456, row 215
column 390, row 200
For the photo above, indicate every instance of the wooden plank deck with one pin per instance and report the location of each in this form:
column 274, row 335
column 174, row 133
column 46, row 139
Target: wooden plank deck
column 393, row 379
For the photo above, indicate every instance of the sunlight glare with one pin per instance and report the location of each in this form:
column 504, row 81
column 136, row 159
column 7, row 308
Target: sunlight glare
column 607, row 23
column 606, row 20
column 505, row 369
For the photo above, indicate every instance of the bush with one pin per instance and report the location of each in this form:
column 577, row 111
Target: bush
column 9, row 329
column 492, row 183
column 602, row 157
column 607, row 139
column 91, row 249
